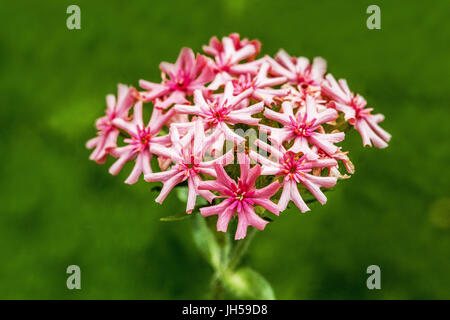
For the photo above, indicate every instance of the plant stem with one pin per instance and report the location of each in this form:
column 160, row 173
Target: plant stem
column 216, row 288
column 240, row 249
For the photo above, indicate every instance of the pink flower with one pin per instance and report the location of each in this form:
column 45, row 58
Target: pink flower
column 164, row 163
column 139, row 146
column 334, row 171
column 107, row 132
column 188, row 155
column 230, row 95
column 343, row 156
column 355, row 112
column 297, row 95
column 303, row 128
column 240, row 198
column 227, row 56
column 223, row 110
column 260, row 85
column 295, row 170
column 189, row 73
column 298, row 70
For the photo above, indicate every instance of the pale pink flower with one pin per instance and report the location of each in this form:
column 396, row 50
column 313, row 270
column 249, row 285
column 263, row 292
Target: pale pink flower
column 334, row 171
column 223, row 111
column 303, row 128
column 295, row 170
column 177, row 119
column 240, row 198
column 164, row 163
column 260, row 85
column 343, row 156
column 139, row 145
column 189, row 73
column 188, row 155
column 353, row 107
column 107, row 134
column 297, row 95
column 228, row 54
column 298, row 71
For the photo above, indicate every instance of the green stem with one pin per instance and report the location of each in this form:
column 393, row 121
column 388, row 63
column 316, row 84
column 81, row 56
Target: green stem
column 217, row 289
column 240, row 249
column 237, row 253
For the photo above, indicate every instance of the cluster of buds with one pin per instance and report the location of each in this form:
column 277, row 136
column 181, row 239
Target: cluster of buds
column 247, row 134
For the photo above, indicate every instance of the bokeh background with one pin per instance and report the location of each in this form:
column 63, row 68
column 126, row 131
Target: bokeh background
column 57, row 208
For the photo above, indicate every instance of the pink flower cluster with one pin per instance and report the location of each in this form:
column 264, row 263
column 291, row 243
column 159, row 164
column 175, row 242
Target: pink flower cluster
column 298, row 112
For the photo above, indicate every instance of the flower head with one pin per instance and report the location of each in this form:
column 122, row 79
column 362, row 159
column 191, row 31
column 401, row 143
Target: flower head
column 235, row 97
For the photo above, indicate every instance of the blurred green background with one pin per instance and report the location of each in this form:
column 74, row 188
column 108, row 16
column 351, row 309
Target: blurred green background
column 58, row 208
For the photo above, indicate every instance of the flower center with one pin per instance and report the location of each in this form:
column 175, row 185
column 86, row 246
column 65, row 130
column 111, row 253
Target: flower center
column 243, row 83
column 304, row 80
column 239, row 197
column 179, row 81
column 294, row 166
column 223, row 64
column 142, row 140
column 302, row 127
column 242, row 196
column 358, row 104
column 218, row 114
column 105, row 123
column 189, row 164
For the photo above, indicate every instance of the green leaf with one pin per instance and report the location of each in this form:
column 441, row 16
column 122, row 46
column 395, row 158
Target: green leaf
column 206, row 242
column 176, row 217
column 246, row 283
